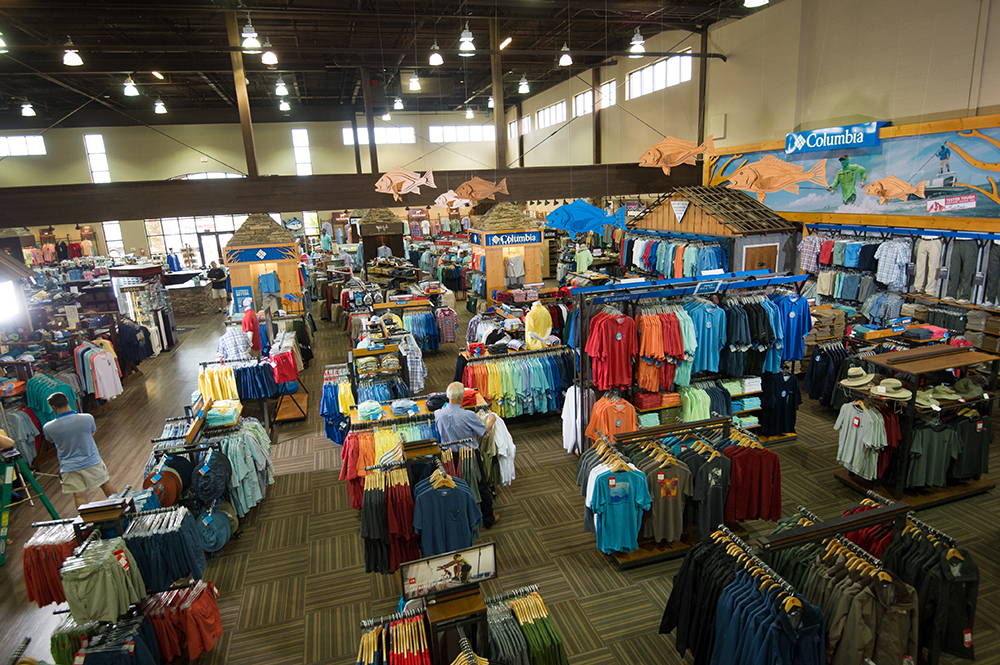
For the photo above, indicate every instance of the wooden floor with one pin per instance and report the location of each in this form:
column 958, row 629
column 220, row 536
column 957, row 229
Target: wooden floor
column 294, row 588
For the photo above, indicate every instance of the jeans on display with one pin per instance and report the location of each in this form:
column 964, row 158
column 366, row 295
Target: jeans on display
column 962, row 268
column 928, row 259
column 993, row 274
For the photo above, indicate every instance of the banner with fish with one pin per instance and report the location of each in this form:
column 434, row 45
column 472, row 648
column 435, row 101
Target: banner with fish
column 953, row 173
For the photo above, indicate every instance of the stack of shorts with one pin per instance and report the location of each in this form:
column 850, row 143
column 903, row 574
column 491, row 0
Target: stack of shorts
column 102, row 581
column 186, row 622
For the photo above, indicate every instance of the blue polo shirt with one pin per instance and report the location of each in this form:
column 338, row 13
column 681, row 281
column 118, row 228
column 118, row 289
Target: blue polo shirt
column 72, row 434
column 455, row 423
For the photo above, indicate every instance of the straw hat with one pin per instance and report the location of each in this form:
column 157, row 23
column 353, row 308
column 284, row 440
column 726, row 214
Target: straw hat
column 944, row 392
column 891, row 389
column 968, row 388
column 925, row 400
column 857, row 377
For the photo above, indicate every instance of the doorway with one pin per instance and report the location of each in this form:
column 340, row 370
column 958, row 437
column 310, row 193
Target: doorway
column 212, row 246
column 756, row 257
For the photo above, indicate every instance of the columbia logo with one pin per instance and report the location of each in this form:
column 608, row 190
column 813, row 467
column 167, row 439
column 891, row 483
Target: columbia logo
column 799, row 142
column 261, row 254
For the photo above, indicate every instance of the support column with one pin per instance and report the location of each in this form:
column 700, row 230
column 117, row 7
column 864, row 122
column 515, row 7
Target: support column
column 520, row 135
column 357, row 144
column 496, row 74
column 595, row 87
column 702, row 83
column 366, row 91
column 242, row 98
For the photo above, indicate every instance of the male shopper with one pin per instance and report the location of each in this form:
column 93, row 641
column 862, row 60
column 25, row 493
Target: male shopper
column 455, row 423
column 81, row 468
column 218, row 277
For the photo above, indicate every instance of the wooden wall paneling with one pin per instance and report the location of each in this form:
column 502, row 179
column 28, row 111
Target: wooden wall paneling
column 696, row 220
column 70, row 204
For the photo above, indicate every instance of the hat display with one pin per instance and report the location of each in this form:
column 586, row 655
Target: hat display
column 925, row 400
column 968, row 388
column 944, row 392
column 857, row 377
column 891, row 389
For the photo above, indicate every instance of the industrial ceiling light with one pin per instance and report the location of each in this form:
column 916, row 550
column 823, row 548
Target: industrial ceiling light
column 250, row 42
column 469, row 114
column 751, row 4
column 386, row 116
column 398, row 104
column 283, row 105
column 159, row 108
column 27, row 110
column 157, row 74
column 565, row 60
column 268, row 57
column 435, row 60
column 130, row 89
column 414, row 83
column 465, row 46
column 3, row 44
column 71, row 57
column 505, row 43
column 489, row 102
column 279, row 88
column 522, row 85
column 638, row 45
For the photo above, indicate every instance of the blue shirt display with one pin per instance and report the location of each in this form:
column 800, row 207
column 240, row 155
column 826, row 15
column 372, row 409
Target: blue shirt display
column 72, row 434
column 796, row 323
column 446, row 518
column 710, row 332
column 620, row 498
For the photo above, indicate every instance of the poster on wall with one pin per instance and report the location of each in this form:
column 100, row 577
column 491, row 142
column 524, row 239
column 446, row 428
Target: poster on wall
column 942, row 174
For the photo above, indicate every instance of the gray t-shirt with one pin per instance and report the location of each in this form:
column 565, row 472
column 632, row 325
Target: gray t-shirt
column 669, row 487
column 72, row 434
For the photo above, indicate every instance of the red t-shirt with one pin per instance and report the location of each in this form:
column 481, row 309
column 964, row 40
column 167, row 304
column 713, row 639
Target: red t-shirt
column 252, row 325
column 612, row 346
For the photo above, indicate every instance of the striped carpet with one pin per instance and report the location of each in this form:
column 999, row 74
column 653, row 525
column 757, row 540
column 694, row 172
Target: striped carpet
column 294, row 587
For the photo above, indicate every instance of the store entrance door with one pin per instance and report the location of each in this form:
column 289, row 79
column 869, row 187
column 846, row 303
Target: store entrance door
column 212, row 246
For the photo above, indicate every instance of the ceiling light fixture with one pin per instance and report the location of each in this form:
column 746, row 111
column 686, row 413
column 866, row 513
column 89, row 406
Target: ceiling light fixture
column 565, row 60
column 638, row 45
column 465, row 46
column 27, row 110
column 283, row 105
column 522, row 85
column 157, row 74
column 130, row 89
column 414, row 83
column 435, row 60
column 489, row 103
column 268, row 57
column 250, row 42
column 386, row 116
column 3, row 44
column 751, row 4
column 280, row 89
column 469, row 113
column 159, row 108
column 398, row 104
column 505, row 43
column 71, row 57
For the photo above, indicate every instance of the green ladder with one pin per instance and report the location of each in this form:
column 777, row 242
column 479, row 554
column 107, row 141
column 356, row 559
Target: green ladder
column 11, row 465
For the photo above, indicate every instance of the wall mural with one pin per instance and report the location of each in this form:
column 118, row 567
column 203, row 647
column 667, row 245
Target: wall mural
column 944, row 174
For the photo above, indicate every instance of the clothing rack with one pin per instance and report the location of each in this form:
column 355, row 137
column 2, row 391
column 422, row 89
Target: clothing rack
column 854, row 547
column 387, row 466
column 900, row 231
column 91, row 537
column 515, row 354
column 513, row 593
column 466, row 647
column 395, row 616
column 800, row 535
column 400, row 420
column 749, row 551
column 460, row 442
column 912, row 517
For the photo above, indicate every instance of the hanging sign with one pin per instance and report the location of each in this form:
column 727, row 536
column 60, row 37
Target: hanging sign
column 946, row 203
column 833, row 138
column 679, row 208
column 513, row 238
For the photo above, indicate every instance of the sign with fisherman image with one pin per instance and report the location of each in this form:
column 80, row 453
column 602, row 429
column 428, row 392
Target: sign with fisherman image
column 952, row 173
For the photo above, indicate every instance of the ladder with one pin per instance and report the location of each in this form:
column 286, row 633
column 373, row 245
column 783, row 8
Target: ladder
column 11, row 465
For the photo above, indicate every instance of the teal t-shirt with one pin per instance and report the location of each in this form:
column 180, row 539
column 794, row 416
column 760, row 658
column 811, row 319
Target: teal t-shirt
column 620, row 498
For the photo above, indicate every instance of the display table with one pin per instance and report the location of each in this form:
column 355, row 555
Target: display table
column 192, row 299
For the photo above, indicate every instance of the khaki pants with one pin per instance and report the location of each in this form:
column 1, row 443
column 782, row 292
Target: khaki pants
column 928, row 259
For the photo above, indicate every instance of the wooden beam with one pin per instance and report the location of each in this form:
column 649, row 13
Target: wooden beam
column 88, row 203
column 366, row 92
column 702, row 84
column 242, row 98
column 357, row 144
column 499, row 116
column 595, row 87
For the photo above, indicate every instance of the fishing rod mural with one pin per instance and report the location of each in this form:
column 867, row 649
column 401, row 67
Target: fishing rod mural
column 944, row 174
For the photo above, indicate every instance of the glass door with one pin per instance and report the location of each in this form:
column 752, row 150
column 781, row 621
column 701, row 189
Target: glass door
column 209, row 248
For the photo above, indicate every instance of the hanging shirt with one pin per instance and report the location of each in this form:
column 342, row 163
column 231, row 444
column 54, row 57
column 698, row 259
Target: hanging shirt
column 269, row 283
column 251, row 324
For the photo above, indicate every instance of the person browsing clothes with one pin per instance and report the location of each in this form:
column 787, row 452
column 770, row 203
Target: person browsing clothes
column 455, row 423
column 81, row 468
column 218, row 277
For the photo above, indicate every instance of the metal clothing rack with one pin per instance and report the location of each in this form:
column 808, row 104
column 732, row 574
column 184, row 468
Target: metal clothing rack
column 395, row 616
column 749, row 551
column 801, row 535
column 387, row 466
column 854, row 547
column 517, row 354
column 513, row 593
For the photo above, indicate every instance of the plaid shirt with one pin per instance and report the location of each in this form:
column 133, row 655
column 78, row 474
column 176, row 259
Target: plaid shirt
column 234, row 345
column 892, row 259
column 809, row 253
column 414, row 363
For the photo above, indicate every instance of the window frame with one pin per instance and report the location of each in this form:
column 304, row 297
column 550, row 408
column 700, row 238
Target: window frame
column 660, row 75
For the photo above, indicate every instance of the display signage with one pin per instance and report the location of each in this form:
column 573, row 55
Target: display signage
column 448, row 572
column 833, row 138
column 945, row 203
column 513, row 238
column 381, row 228
column 256, row 254
column 679, row 208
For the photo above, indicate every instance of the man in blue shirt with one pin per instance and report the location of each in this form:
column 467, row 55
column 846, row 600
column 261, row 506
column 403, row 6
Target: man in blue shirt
column 455, row 423
column 81, row 468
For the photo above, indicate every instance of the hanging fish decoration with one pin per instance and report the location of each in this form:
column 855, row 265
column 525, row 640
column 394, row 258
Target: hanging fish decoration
column 401, row 181
column 478, row 189
column 580, row 217
column 672, row 151
column 451, row 200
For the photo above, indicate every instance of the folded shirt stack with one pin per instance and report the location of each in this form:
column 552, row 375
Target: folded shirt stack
column 751, row 384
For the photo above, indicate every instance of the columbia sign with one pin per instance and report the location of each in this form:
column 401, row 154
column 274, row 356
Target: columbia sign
column 504, row 239
column 833, row 138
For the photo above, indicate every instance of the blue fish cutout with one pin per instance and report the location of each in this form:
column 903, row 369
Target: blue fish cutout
column 580, row 217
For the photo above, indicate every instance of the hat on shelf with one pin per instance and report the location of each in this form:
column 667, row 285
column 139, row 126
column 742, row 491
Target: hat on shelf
column 968, row 388
column 857, row 377
column 925, row 400
column 890, row 388
column 944, row 392
column 370, row 410
column 435, row 401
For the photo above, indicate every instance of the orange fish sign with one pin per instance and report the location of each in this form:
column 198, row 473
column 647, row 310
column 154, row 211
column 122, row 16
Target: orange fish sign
column 477, row 189
column 771, row 174
column 892, row 187
column 673, row 151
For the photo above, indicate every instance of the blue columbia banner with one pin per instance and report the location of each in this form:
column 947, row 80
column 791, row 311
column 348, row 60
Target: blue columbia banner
column 833, row 138
column 513, row 238
column 254, row 254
